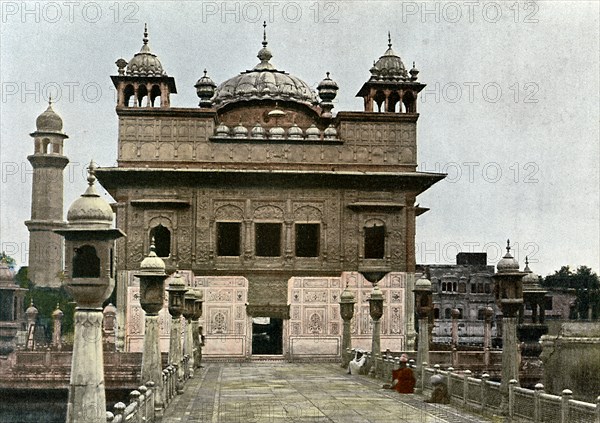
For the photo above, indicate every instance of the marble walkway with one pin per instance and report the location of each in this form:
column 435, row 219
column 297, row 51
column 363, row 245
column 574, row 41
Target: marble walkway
column 277, row 392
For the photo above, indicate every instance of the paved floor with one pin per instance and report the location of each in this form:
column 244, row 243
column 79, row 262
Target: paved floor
column 277, row 392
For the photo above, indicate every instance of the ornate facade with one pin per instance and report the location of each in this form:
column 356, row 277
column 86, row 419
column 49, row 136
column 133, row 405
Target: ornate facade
column 270, row 202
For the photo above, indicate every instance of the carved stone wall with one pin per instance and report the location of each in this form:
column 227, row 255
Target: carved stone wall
column 315, row 325
column 187, row 139
column 224, row 319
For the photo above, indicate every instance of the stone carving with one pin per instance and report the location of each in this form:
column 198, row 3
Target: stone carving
column 315, row 324
column 335, row 329
column 219, row 323
column 220, row 295
column 229, row 212
column 315, row 296
column 268, row 212
column 136, row 320
column 308, row 213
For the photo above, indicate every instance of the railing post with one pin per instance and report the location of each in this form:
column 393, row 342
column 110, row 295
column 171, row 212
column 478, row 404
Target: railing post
column 119, row 408
column 484, row 390
column 109, row 417
column 134, row 398
column 564, row 405
column 450, row 370
column 537, row 403
column 143, row 403
column 512, row 384
column 467, row 375
column 423, row 372
column 153, row 391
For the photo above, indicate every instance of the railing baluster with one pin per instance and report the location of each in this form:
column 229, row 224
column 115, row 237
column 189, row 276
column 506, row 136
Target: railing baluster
column 564, row 406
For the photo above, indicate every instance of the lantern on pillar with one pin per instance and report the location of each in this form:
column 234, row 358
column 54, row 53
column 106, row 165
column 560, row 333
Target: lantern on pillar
column 423, row 305
column 176, row 290
column 509, row 297
column 196, row 326
column 347, row 302
column 89, row 277
column 188, row 342
column 152, row 277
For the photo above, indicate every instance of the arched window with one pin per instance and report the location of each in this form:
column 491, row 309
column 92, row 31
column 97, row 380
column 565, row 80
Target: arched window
column 128, row 96
column 379, row 99
column 86, row 263
column 162, row 240
column 155, row 94
column 444, row 287
column 142, row 94
column 448, row 313
column 394, row 103
column 436, row 313
column 374, row 240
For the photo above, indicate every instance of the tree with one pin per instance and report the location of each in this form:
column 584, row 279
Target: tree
column 585, row 283
column 4, row 258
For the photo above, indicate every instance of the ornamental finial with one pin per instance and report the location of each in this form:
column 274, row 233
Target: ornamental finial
column 264, row 43
column 389, row 40
column 145, row 39
column 92, row 172
column 508, row 246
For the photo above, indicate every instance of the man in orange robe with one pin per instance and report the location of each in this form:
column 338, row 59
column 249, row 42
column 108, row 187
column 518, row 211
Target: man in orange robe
column 403, row 379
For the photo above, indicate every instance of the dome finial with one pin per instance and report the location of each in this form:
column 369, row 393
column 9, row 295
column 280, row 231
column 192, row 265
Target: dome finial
column 92, row 172
column 152, row 246
column 145, row 39
column 50, row 100
column 508, row 246
column 527, row 261
column 389, row 40
column 264, row 42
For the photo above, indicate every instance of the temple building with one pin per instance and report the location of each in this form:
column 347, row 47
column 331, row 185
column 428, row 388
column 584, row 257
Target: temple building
column 270, row 202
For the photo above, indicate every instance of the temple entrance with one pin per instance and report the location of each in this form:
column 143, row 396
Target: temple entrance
column 267, row 336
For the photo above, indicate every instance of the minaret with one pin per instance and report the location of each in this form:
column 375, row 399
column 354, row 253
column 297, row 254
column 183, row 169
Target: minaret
column 142, row 82
column 48, row 162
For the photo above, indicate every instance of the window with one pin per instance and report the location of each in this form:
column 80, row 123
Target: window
column 447, row 313
column 162, row 240
column 436, row 313
column 375, row 242
column 268, row 239
column 86, row 263
column 548, row 303
column 228, row 238
column 481, row 314
column 307, row 239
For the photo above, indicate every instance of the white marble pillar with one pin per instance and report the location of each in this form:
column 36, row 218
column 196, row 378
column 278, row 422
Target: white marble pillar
column 151, row 360
column 87, row 401
column 175, row 356
column 510, row 353
column 188, row 346
column 423, row 344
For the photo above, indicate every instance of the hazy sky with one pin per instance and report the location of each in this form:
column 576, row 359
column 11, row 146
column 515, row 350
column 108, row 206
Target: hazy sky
column 510, row 111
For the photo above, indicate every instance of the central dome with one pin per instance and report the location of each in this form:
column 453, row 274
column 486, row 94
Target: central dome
column 264, row 82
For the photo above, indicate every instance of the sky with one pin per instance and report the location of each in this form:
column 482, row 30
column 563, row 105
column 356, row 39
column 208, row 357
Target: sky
column 510, row 111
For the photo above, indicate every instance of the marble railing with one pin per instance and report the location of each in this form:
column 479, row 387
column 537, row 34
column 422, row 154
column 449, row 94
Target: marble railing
column 141, row 401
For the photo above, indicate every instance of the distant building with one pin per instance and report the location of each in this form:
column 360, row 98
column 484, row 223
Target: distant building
column 467, row 286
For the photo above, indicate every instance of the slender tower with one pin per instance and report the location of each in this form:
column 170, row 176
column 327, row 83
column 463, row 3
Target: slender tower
column 48, row 162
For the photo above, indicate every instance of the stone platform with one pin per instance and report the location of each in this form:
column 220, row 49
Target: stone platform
column 277, row 392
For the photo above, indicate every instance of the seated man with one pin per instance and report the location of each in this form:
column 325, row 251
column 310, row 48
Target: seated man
column 403, row 379
column 357, row 362
column 440, row 391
